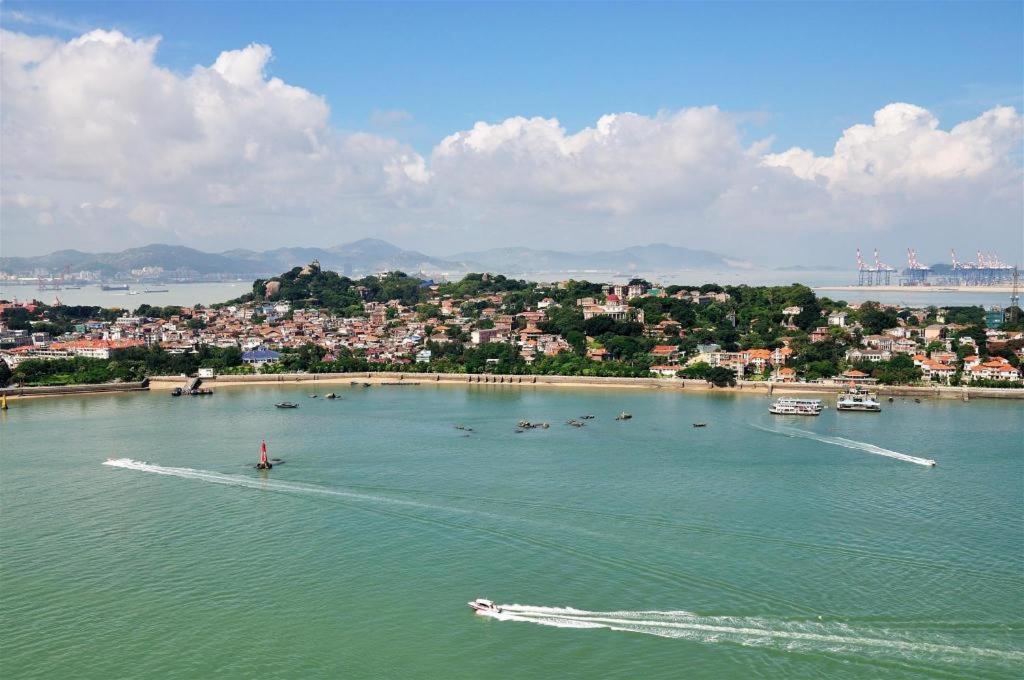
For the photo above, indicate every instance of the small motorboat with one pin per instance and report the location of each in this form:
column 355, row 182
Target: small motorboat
column 287, row 404
column 625, row 415
column 700, row 424
column 176, row 392
column 312, row 396
column 587, row 417
column 482, row 606
column 330, row 395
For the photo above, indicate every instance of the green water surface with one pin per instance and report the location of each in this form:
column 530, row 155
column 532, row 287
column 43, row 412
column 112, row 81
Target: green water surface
column 720, row 552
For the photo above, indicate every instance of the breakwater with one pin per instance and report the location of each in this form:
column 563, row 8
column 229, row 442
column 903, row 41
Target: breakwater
column 60, row 390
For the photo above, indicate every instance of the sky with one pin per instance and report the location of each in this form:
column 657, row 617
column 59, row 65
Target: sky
column 779, row 133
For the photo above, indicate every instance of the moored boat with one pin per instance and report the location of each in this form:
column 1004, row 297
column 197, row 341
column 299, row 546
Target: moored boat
column 287, row 404
column 858, row 399
column 792, row 406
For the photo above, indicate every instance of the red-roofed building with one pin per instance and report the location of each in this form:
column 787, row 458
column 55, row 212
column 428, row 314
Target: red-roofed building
column 96, row 349
column 669, row 354
column 855, row 376
column 785, row 374
column 994, row 370
column 936, row 370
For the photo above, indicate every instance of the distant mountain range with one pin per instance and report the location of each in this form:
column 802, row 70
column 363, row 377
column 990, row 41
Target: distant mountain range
column 369, row 256
column 358, row 257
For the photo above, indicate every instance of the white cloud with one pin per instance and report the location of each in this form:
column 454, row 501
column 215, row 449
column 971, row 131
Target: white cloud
column 43, row 20
column 103, row 148
column 387, row 119
column 905, row 148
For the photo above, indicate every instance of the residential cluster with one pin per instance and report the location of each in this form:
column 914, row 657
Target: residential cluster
column 486, row 323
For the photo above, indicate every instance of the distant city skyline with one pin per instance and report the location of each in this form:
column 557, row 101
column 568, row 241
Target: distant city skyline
column 778, row 133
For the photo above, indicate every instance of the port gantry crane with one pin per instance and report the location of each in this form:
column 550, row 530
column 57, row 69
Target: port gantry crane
column 883, row 272
column 878, row 274
column 1013, row 312
column 985, row 270
column 916, row 273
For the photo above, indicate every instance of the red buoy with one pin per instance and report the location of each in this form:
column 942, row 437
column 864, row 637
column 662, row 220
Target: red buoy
column 264, row 463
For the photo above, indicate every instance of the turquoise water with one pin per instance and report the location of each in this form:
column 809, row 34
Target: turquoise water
column 642, row 548
column 209, row 293
column 184, row 294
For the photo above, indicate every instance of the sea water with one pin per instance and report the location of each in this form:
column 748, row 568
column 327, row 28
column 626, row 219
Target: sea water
column 137, row 540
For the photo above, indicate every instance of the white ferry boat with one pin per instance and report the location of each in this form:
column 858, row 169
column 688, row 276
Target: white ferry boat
column 858, row 399
column 791, row 406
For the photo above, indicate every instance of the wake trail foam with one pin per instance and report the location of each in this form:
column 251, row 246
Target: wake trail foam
column 847, row 443
column 264, row 484
column 811, row 636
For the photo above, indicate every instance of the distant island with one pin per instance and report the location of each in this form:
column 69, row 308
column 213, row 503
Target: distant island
column 358, row 258
column 319, row 321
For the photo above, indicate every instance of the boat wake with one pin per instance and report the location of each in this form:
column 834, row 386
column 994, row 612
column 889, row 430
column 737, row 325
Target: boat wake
column 257, row 483
column 784, row 634
column 847, row 443
column 365, row 500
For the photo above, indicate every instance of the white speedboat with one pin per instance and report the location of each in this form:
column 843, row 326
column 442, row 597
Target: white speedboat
column 482, row 606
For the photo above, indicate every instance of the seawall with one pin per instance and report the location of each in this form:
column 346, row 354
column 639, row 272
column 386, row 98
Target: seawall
column 763, row 388
column 60, row 390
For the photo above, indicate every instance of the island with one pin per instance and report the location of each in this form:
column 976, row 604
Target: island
column 312, row 320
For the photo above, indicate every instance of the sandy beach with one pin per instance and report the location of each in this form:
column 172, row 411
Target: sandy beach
column 761, row 388
column 321, row 381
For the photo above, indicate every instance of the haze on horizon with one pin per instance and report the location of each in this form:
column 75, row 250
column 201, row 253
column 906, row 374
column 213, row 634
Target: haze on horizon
column 771, row 132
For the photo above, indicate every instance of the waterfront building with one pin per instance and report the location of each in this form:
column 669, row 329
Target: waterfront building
column 669, row 354
column 260, row 357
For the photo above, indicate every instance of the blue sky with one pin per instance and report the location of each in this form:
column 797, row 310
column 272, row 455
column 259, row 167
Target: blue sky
column 802, row 71
column 772, row 132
